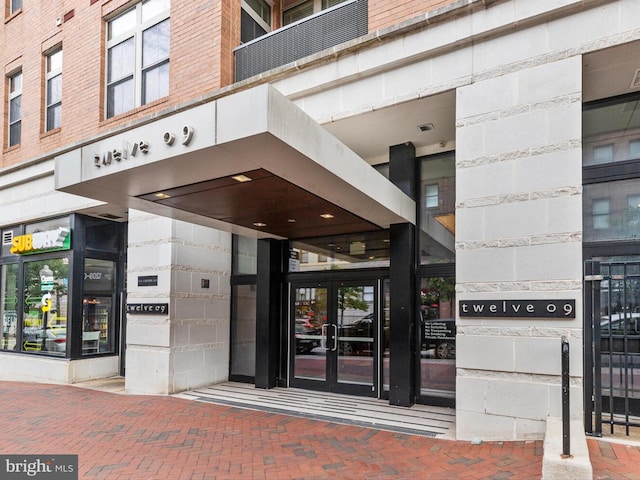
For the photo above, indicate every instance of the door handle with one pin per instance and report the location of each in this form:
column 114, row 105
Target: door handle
column 323, row 339
column 335, row 338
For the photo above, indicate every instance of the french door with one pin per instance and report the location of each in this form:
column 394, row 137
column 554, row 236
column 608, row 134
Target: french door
column 334, row 336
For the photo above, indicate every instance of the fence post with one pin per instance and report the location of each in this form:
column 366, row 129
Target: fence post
column 566, row 433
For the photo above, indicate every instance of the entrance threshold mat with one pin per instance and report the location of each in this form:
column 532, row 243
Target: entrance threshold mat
column 423, row 420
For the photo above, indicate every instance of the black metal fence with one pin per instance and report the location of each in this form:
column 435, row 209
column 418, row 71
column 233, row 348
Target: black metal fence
column 612, row 345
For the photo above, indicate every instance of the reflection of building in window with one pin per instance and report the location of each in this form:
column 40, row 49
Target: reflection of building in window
column 603, row 153
column 431, row 196
column 634, row 149
column 368, row 294
column 633, row 210
column 600, row 212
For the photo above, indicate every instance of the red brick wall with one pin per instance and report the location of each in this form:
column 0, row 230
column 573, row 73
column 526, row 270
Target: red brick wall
column 203, row 35
column 383, row 13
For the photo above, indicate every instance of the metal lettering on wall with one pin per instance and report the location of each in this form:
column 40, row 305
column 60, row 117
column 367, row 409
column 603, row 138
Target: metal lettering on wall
column 128, row 149
column 517, row 308
column 147, row 308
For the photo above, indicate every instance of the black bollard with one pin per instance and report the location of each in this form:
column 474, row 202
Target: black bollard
column 566, row 434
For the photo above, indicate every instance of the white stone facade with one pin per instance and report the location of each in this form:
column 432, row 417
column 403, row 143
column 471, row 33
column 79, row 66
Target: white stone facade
column 189, row 348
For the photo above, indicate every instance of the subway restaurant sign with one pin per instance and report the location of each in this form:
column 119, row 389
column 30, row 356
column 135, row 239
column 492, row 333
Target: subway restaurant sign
column 40, row 242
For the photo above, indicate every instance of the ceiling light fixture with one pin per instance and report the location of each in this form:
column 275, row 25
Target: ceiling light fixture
column 292, row 220
column 259, row 224
column 426, row 127
column 162, row 195
column 241, row 178
column 326, row 215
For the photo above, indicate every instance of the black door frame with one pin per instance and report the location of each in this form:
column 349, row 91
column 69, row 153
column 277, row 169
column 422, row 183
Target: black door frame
column 332, row 280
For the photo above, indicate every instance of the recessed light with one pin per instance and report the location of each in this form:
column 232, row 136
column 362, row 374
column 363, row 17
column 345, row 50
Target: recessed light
column 426, row 127
column 162, row 195
column 326, row 215
column 259, row 224
column 241, row 178
column 292, row 220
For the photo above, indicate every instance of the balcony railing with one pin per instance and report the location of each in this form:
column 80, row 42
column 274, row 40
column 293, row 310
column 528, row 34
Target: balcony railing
column 310, row 35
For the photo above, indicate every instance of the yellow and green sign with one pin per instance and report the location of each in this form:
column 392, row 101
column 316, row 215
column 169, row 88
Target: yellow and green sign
column 40, row 242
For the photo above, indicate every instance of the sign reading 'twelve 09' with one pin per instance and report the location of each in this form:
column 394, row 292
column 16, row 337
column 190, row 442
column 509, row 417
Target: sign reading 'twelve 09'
column 517, row 308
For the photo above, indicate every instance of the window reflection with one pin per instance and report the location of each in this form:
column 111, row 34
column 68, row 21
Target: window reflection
column 8, row 306
column 612, row 211
column 98, row 324
column 44, row 323
column 437, row 208
column 438, row 337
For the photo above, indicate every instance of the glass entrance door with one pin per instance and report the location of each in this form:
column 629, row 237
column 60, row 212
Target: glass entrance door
column 334, row 337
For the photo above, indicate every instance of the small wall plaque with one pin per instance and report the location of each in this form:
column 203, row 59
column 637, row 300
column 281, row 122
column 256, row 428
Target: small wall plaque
column 148, row 281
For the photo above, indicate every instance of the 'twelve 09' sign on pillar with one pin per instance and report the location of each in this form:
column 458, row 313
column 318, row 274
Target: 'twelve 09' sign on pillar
column 517, row 308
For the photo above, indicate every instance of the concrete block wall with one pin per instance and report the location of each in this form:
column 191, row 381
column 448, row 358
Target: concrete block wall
column 518, row 236
column 188, row 347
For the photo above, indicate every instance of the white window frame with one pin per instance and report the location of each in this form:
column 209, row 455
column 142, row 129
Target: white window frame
column 50, row 75
column 256, row 16
column 136, row 33
column 14, row 6
column 13, row 94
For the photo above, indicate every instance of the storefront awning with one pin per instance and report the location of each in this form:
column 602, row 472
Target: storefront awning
column 250, row 163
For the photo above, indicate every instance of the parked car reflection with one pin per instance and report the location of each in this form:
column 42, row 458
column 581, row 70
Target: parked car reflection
column 308, row 335
column 50, row 339
column 620, row 329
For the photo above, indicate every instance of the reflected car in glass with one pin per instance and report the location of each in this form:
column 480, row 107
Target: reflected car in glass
column 618, row 330
column 51, row 339
column 307, row 335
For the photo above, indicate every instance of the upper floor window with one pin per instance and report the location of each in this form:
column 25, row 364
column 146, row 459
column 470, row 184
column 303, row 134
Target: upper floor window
column 14, row 6
column 255, row 19
column 138, row 56
column 305, row 9
column 53, row 101
column 15, row 108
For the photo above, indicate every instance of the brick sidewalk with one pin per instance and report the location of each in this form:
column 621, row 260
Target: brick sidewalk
column 131, row 437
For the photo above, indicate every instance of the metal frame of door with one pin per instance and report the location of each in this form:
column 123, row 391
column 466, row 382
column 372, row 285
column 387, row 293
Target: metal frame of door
column 611, row 346
column 326, row 347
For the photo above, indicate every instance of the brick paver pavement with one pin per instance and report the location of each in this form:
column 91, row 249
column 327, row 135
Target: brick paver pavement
column 132, row 437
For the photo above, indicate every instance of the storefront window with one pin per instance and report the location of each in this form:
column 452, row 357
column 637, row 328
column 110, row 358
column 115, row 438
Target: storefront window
column 45, row 306
column 437, row 208
column 98, row 306
column 8, row 305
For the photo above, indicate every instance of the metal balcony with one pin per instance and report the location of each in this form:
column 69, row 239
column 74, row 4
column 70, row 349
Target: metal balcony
column 310, row 35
